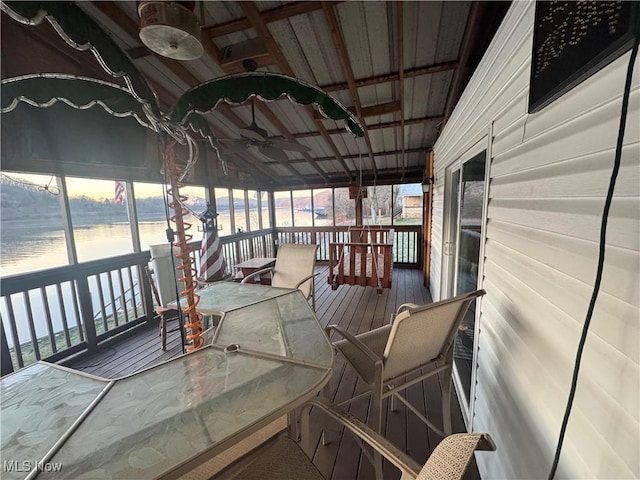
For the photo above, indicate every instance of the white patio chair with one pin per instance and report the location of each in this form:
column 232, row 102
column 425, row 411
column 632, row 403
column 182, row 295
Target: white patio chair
column 293, row 269
column 421, row 336
column 282, row 458
column 165, row 313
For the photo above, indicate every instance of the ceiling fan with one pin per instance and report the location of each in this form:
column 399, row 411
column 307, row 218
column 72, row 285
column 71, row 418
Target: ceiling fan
column 254, row 136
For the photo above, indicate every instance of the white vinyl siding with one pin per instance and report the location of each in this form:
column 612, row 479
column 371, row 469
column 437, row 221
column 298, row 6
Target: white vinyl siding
column 549, row 175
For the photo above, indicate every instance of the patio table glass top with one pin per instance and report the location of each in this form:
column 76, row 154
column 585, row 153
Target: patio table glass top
column 163, row 421
column 222, row 297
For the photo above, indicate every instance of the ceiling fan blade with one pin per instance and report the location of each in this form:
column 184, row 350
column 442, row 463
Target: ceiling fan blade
column 233, row 146
column 291, row 146
column 252, row 133
column 274, row 153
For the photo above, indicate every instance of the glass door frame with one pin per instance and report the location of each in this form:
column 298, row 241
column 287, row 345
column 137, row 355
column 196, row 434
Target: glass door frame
column 450, row 257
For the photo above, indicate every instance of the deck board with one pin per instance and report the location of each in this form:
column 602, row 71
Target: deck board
column 357, row 309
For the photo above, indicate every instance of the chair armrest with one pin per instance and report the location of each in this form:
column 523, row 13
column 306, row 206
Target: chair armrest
column 355, row 342
column 259, row 272
column 406, row 306
column 305, row 279
column 396, row 456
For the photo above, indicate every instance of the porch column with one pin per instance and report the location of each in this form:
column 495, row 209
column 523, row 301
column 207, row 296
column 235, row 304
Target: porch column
column 272, row 221
column 427, row 202
column 359, row 211
column 5, row 360
column 65, row 209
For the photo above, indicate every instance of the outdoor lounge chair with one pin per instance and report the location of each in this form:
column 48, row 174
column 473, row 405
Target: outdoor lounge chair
column 293, row 269
column 419, row 337
column 282, row 458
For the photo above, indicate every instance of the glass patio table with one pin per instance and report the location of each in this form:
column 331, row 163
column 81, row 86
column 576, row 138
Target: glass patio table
column 266, row 359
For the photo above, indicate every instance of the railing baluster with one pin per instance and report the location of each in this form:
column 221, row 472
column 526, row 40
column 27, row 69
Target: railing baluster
column 134, row 292
column 147, row 296
column 32, row 328
column 14, row 331
column 251, row 249
column 123, row 296
column 103, row 310
column 76, row 311
column 47, row 315
column 112, row 297
column 63, row 315
column 86, row 309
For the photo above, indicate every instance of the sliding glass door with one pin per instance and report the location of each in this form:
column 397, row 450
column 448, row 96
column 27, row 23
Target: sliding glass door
column 466, row 204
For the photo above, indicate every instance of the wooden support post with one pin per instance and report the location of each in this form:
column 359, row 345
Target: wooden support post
column 426, row 222
column 5, row 360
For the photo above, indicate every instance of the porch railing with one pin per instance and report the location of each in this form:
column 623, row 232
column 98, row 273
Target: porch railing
column 80, row 307
column 406, row 248
column 77, row 307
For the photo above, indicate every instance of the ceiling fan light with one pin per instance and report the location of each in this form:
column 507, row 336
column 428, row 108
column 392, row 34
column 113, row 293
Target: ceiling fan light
column 170, row 30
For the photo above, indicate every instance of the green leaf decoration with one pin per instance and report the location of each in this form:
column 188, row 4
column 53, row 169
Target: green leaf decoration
column 80, row 31
column 268, row 86
column 44, row 90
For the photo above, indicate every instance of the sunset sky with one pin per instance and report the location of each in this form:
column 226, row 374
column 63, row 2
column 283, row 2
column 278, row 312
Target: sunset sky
column 105, row 189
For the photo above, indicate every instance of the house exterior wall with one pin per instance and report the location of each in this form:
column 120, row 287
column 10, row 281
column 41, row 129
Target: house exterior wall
column 549, row 174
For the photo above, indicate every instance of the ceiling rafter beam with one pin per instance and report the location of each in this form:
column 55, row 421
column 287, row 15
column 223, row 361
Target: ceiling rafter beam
column 324, row 133
column 272, row 15
column 114, row 13
column 356, row 156
column 259, row 25
column 273, row 118
column 470, row 33
column 385, row 177
column 371, row 110
column 376, row 126
column 343, row 56
column 391, row 77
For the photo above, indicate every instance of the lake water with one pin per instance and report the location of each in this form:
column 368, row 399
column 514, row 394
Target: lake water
column 27, row 246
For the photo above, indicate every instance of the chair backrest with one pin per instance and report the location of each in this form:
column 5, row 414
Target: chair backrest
column 293, row 263
column 422, row 334
column 451, row 457
column 165, row 274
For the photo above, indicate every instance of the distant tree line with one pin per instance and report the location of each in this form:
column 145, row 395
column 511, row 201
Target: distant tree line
column 21, row 201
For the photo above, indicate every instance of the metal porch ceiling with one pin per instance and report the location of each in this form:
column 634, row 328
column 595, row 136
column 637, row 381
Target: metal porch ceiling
column 356, row 51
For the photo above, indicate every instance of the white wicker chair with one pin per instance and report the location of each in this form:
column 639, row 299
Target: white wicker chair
column 293, row 269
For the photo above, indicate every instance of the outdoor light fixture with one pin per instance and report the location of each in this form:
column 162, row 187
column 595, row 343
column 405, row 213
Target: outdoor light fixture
column 209, row 219
column 170, row 29
column 426, row 183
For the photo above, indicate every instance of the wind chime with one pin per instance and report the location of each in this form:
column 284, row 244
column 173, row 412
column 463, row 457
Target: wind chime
column 193, row 325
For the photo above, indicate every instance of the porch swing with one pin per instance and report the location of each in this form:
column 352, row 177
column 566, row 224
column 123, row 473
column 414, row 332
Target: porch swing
column 365, row 257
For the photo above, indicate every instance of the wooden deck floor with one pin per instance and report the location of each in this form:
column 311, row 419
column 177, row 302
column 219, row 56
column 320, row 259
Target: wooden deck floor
column 357, row 309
